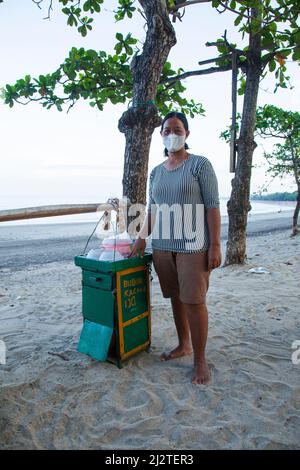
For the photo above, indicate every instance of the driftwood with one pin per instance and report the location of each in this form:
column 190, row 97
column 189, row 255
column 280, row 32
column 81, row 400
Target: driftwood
column 52, row 211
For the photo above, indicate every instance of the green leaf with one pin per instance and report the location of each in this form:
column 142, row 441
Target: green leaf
column 97, row 7
column 272, row 65
column 70, row 21
column 267, row 40
column 296, row 54
column 71, row 74
column 132, row 41
column 118, row 48
column 82, row 30
column 242, row 87
column 238, row 20
column 296, row 37
column 87, row 5
column 273, row 27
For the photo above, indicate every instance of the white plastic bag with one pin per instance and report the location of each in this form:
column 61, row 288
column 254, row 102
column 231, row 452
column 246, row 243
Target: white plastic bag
column 259, row 270
column 94, row 253
column 110, row 255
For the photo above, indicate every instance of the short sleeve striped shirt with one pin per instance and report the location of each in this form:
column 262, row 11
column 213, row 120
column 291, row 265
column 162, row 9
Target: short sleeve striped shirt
column 180, row 198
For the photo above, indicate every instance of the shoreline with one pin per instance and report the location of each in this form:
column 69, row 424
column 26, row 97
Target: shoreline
column 257, row 223
column 25, row 245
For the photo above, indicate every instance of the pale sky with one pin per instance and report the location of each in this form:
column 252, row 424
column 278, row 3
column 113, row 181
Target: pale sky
column 48, row 157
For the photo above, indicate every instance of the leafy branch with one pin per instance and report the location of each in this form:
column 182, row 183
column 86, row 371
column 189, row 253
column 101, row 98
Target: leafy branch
column 98, row 77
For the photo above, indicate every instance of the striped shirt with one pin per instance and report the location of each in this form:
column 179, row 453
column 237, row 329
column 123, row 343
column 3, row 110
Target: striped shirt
column 180, row 198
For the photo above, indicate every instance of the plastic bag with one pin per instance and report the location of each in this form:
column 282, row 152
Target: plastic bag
column 95, row 253
column 120, row 243
column 259, row 270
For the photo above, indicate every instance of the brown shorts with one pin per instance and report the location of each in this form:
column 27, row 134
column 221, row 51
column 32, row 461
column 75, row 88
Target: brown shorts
column 182, row 274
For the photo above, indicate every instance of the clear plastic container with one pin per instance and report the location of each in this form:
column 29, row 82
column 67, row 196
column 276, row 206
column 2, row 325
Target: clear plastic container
column 120, row 244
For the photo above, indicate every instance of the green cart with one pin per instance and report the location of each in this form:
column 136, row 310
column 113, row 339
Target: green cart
column 115, row 307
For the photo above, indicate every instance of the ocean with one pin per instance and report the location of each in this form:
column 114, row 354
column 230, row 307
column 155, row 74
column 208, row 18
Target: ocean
column 258, row 207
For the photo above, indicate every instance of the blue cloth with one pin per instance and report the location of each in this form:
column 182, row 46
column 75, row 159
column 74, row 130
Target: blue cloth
column 95, row 340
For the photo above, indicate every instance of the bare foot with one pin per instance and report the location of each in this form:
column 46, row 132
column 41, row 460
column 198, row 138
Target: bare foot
column 180, row 351
column 201, row 374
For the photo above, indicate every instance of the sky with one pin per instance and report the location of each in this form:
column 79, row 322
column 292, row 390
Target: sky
column 51, row 157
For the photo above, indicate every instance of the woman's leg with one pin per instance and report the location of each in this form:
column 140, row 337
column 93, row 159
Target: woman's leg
column 193, row 277
column 183, row 331
column 198, row 322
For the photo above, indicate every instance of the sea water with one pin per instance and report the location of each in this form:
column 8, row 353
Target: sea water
column 258, row 207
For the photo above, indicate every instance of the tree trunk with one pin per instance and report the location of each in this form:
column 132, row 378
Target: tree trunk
column 296, row 168
column 295, row 230
column 139, row 121
column 238, row 205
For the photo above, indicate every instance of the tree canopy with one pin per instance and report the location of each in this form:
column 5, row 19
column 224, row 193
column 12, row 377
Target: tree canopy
column 101, row 76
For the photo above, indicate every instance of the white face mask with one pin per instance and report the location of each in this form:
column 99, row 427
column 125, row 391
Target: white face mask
column 174, row 142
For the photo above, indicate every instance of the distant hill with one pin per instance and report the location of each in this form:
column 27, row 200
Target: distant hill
column 274, row 197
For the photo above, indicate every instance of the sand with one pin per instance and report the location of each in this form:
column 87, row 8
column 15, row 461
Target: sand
column 69, row 401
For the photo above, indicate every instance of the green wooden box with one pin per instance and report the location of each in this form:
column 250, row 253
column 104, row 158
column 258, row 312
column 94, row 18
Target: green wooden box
column 117, row 296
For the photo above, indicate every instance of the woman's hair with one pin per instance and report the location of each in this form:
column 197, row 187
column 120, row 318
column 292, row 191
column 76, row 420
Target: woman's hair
column 182, row 118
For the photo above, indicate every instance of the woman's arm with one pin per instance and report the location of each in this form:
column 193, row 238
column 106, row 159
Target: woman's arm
column 210, row 194
column 214, row 229
column 140, row 242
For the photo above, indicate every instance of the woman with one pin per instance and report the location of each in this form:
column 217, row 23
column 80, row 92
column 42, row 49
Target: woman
column 185, row 239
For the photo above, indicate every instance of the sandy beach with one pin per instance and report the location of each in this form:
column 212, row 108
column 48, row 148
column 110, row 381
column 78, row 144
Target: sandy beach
column 53, row 397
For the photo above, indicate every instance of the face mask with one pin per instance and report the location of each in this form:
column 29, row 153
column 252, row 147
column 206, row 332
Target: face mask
column 174, row 142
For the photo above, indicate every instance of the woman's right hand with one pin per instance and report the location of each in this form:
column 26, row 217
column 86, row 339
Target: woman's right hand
column 138, row 248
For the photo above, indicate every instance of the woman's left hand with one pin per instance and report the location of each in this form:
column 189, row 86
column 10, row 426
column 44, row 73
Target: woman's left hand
column 214, row 257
